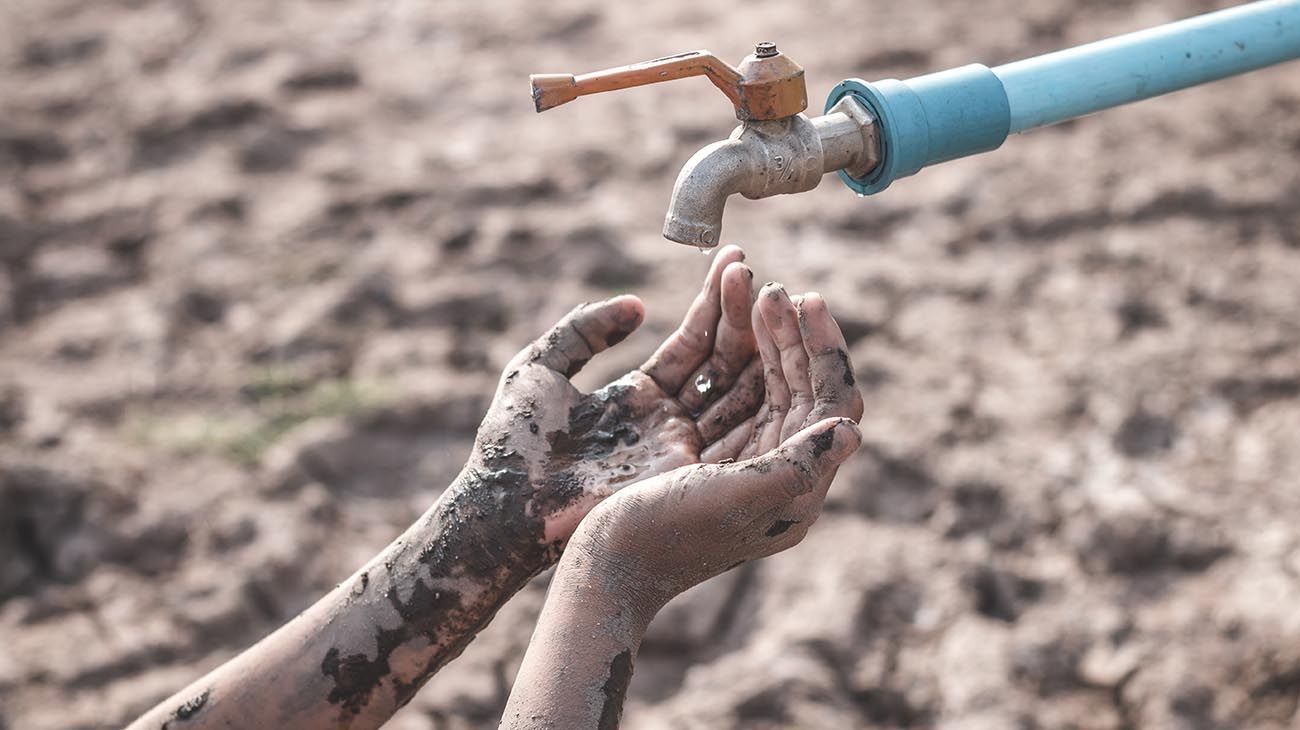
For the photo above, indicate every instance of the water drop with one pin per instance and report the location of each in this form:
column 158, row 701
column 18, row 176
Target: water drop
column 862, row 195
column 705, row 251
column 703, row 383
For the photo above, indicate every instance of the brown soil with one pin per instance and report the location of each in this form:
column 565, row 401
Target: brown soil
column 262, row 263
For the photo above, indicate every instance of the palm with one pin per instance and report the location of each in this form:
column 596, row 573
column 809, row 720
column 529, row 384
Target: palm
column 625, row 431
column 579, row 448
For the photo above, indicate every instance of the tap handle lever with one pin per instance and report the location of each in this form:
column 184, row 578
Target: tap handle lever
column 766, row 86
column 552, row 90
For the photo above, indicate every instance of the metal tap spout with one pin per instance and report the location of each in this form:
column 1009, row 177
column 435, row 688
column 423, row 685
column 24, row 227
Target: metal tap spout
column 765, row 158
column 706, row 181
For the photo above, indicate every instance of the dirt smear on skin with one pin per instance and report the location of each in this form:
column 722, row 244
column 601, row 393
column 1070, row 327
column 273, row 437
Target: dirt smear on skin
column 849, row 379
column 596, row 427
column 491, row 530
column 779, row 527
column 356, row 675
column 822, row 442
column 615, row 690
column 189, row 708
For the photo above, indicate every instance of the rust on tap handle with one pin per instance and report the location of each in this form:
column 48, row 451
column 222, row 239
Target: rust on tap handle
column 552, row 90
column 767, row 85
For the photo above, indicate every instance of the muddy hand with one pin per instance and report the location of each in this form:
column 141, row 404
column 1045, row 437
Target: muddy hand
column 666, row 534
column 660, row 536
column 648, row 543
column 726, row 511
column 572, row 449
column 806, row 372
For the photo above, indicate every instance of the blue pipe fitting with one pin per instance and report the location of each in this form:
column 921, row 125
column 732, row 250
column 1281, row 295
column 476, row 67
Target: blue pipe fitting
column 972, row 109
column 928, row 120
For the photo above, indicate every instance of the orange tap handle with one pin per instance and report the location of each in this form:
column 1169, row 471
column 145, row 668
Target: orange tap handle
column 552, row 90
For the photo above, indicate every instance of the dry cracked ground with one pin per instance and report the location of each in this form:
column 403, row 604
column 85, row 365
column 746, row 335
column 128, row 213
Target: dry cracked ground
column 260, row 263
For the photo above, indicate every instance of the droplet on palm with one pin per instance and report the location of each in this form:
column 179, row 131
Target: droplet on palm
column 703, row 384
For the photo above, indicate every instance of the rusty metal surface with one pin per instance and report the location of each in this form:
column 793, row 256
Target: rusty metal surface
column 767, row 85
column 771, row 86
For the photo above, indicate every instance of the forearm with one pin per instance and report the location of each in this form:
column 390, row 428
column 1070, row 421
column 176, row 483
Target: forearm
column 651, row 542
column 578, row 665
column 363, row 650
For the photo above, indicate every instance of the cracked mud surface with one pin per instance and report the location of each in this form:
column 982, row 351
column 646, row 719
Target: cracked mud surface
column 261, row 264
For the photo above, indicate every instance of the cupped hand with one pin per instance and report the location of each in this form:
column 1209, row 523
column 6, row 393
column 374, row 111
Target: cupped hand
column 667, row 533
column 807, row 377
column 554, row 452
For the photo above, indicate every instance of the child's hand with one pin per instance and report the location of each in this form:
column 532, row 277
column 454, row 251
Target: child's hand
column 546, row 453
column 806, row 371
column 665, row 534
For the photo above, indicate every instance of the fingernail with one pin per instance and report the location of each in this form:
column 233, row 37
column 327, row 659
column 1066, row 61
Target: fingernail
column 841, row 439
column 624, row 325
column 739, row 265
column 852, row 432
column 629, row 316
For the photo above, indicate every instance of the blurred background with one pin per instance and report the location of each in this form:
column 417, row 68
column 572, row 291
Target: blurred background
column 261, row 263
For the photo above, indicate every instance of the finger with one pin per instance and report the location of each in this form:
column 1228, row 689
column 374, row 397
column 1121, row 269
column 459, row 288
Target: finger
column 831, row 372
column 691, row 342
column 733, row 346
column 782, row 320
column 585, row 331
column 776, row 393
column 731, row 443
column 739, row 403
column 803, row 465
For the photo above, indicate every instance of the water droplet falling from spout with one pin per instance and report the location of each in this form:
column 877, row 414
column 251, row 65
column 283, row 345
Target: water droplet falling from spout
column 703, row 383
column 705, row 251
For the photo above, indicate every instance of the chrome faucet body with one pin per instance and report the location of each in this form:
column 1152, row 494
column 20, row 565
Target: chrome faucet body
column 765, row 158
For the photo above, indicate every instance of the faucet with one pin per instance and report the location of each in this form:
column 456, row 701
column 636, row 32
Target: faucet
column 874, row 133
column 776, row 149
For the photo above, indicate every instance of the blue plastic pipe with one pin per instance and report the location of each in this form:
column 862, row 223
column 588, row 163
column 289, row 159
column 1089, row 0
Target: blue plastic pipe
column 971, row 109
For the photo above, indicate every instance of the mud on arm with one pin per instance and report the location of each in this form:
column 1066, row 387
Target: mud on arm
column 363, row 650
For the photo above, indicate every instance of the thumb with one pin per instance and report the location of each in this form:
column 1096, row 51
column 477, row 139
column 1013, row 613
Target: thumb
column 805, row 462
column 585, row 331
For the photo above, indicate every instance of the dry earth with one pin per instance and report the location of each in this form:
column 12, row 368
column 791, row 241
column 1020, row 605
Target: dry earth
column 262, row 261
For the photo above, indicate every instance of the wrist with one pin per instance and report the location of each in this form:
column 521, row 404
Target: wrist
column 485, row 527
column 593, row 568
